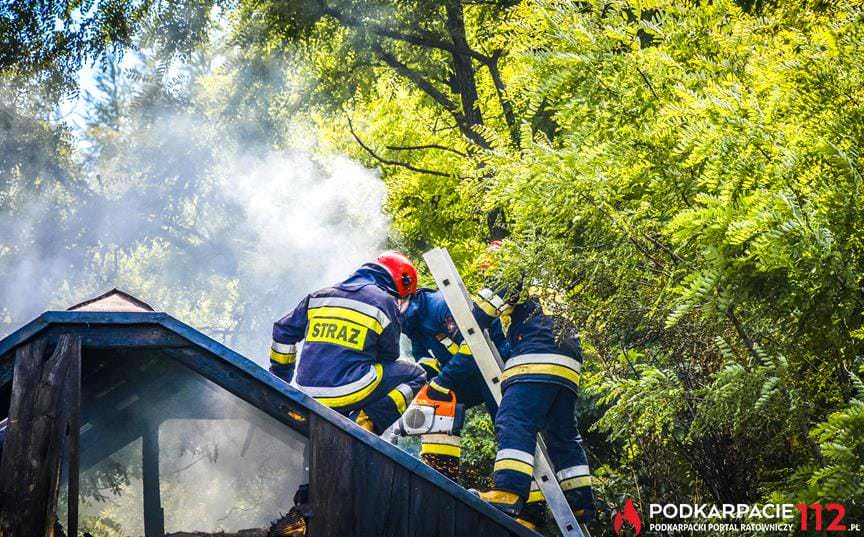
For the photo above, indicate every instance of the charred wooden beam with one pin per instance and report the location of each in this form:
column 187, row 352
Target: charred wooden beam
column 38, row 421
column 154, row 516
column 74, row 399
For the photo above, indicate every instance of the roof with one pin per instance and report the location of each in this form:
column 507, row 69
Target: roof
column 142, row 328
column 113, row 300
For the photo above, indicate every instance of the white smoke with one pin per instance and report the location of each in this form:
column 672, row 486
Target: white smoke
column 226, row 238
column 310, row 223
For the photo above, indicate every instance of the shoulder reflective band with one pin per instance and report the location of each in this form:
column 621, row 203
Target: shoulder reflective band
column 369, row 315
column 348, row 394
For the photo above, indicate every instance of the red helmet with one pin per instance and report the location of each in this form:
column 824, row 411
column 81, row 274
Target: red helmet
column 401, row 270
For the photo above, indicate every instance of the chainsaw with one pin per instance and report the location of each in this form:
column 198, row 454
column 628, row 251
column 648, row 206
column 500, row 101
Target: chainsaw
column 430, row 416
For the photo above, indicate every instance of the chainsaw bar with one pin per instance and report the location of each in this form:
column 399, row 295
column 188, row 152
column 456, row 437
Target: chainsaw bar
column 489, row 362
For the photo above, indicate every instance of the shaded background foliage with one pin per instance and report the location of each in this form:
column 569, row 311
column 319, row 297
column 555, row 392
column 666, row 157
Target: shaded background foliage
column 682, row 180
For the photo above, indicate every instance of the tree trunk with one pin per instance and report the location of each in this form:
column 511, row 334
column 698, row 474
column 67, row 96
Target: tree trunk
column 464, row 83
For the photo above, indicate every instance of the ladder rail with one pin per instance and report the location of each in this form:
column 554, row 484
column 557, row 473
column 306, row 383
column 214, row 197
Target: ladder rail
column 490, row 364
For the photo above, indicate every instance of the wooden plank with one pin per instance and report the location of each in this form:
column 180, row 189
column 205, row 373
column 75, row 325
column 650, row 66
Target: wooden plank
column 470, row 523
column 432, row 512
column 154, row 515
column 30, row 469
column 6, row 373
column 18, row 337
column 380, row 497
column 137, row 336
column 74, row 465
column 399, row 508
column 331, row 482
column 103, row 317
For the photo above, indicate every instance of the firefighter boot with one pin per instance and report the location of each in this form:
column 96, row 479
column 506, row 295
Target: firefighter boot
column 581, row 500
column 363, row 420
column 533, row 516
column 508, row 502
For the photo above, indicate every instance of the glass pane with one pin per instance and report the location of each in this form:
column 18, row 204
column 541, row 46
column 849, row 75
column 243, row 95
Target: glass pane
column 226, row 475
column 163, row 446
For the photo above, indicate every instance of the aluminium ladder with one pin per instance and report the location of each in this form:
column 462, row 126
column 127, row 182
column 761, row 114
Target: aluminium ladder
column 490, row 364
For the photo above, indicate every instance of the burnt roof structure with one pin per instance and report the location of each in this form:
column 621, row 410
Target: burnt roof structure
column 155, row 387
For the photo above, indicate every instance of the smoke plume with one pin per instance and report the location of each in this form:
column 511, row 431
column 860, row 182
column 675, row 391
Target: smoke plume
column 227, row 236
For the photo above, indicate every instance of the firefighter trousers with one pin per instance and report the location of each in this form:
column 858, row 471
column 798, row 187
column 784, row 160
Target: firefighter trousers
column 528, row 408
column 400, row 382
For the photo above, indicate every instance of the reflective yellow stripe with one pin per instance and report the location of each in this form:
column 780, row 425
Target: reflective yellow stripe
column 359, row 395
column 511, row 464
column 354, row 316
column 542, row 369
column 448, row 344
column 431, row 363
column 398, row 400
column 535, row 496
column 576, row 482
column 280, row 358
column 488, row 308
column 438, row 388
column 440, row 449
column 464, row 349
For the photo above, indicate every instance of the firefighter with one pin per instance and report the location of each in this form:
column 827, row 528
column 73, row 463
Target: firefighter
column 539, row 386
column 351, row 344
column 436, row 344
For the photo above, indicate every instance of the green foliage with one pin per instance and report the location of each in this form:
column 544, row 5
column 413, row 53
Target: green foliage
column 681, row 179
column 478, row 449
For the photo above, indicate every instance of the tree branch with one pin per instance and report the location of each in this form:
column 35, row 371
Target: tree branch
column 418, row 79
column 424, row 39
column 751, row 347
column 425, row 146
column 506, row 105
column 437, row 95
column 389, row 162
column 648, row 83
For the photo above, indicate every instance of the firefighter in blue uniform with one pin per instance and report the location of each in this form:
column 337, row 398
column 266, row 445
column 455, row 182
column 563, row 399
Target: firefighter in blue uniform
column 351, row 344
column 437, row 346
column 539, row 386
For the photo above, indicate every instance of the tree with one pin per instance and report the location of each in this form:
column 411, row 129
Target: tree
column 696, row 210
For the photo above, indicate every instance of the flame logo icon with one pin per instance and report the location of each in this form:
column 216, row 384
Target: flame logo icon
column 628, row 515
